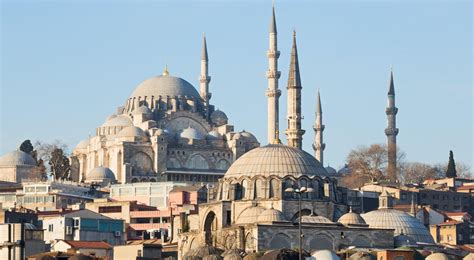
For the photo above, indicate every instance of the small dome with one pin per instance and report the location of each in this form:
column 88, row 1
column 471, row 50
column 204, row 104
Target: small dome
column 191, row 133
column 249, row 215
column 351, row 218
column 17, row 158
column 249, row 137
column 314, row 219
column 132, row 131
column 213, row 135
column 83, row 144
column 142, row 110
column 325, row 254
column 276, row 159
column 236, row 136
column 402, row 222
column 271, row 215
column 437, row 256
column 120, row 120
column 361, row 255
column 100, row 173
column 331, row 171
column 219, row 118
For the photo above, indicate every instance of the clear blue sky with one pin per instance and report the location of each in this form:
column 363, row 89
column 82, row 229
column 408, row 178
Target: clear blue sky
column 66, row 66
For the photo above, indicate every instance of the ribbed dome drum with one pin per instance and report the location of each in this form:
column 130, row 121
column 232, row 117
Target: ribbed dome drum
column 276, row 159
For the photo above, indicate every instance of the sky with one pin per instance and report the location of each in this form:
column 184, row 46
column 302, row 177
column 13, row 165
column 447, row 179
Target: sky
column 67, row 65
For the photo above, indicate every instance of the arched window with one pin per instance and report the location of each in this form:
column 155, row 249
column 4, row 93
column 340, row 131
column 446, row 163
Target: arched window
column 245, row 189
column 259, row 189
column 238, row 191
column 275, row 188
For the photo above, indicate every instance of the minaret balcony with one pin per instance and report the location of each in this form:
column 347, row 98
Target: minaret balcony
column 319, row 127
column 271, row 74
column 271, row 54
column 205, row 79
column 273, row 93
column 390, row 131
column 391, row 110
column 319, row 146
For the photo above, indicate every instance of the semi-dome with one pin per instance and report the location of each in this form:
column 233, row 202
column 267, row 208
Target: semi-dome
column 313, row 219
column 83, row 144
column 165, row 85
column 100, row 173
column 191, row 133
column 351, row 218
column 249, row 215
column 132, row 131
column 275, row 159
column 17, row 158
column 325, row 254
column 249, row 137
column 120, row 120
column 110, row 117
column 270, row 215
column 402, row 222
column 219, row 118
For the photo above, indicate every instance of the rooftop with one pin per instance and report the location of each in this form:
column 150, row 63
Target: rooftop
column 88, row 244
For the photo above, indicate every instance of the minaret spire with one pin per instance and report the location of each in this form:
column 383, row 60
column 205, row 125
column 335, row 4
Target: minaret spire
column 294, row 133
column 391, row 131
column 273, row 93
column 318, row 145
column 204, row 78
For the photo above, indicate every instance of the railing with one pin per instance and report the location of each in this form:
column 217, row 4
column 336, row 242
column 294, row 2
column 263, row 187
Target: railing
column 147, row 226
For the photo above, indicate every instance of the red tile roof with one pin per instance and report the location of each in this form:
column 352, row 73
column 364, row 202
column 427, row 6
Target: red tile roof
column 449, row 223
column 88, row 244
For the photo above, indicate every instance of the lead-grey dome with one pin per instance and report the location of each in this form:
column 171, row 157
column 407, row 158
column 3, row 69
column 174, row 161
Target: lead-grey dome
column 191, row 133
column 100, row 173
column 165, row 85
column 120, row 120
column 275, row 159
column 219, row 118
column 16, row 158
column 402, row 222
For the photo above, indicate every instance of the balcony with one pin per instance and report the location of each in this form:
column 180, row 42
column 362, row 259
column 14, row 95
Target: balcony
column 149, row 214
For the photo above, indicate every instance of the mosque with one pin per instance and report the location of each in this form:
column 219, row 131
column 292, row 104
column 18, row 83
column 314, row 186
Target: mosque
column 165, row 131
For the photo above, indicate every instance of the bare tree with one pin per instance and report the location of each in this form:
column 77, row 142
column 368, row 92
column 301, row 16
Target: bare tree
column 462, row 170
column 60, row 167
column 43, row 153
column 416, row 172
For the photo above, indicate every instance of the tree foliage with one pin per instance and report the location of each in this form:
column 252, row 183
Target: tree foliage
column 451, row 169
column 26, row 147
column 60, row 167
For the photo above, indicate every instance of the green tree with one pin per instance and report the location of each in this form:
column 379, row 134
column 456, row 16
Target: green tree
column 59, row 163
column 451, row 171
column 26, row 147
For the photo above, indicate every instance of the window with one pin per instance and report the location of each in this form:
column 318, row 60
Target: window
column 450, row 238
column 404, row 196
column 28, row 200
column 139, row 252
column 51, row 228
column 110, row 209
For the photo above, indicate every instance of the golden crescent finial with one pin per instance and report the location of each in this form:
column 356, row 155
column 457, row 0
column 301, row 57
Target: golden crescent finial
column 165, row 71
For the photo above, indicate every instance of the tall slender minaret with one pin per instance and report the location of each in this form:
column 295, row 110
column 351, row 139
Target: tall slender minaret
column 391, row 131
column 204, row 79
column 318, row 145
column 273, row 93
column 294, row 133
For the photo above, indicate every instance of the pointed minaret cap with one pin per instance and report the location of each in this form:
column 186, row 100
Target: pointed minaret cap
column 204, row 49
column 273, row 27
column 165, row 71
column 319, row 109
column 391, row 87
column 294, row 78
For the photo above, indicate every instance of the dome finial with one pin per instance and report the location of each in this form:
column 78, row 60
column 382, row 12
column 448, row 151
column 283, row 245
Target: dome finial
column 165, row 71
column 277, row 138
column 350, row 209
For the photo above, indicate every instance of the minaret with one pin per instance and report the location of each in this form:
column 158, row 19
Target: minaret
column 204, row 79
column 273, row 93
column 391, row 131
column 294, row 133
column 318, row 145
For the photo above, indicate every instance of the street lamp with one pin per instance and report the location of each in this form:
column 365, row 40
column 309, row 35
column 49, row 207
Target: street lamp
column 299, row 191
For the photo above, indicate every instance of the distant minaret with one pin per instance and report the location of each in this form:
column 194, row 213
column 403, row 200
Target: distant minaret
column 204, row 79
column 391, row 131
column 273, row 93
column 294, row 133
column 318, row 145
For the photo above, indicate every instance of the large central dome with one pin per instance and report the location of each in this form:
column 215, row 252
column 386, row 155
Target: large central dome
column 276, row 159
column 165, row 85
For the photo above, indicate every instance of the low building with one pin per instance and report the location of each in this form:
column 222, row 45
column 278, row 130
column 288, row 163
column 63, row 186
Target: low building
column 362, row 201
column 90, row 248
column 52, row 195
column 396, row 254
column 8, row 191
column 149, row 193
column 84, row 225
column 143, row 249
column 453, row 232
column 21, row 215
column 18, row 241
